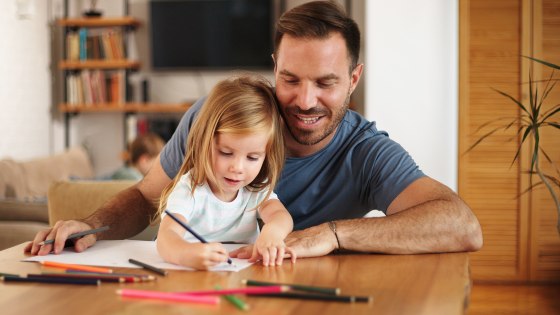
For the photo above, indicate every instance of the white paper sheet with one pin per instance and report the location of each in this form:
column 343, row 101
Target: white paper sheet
column 117, row 253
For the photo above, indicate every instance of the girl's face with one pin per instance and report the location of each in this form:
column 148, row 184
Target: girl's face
column 236, row 160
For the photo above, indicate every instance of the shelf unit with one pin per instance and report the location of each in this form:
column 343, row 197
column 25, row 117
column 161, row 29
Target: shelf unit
column 123, row 105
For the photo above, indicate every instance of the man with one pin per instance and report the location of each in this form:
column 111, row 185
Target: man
column 339, row 165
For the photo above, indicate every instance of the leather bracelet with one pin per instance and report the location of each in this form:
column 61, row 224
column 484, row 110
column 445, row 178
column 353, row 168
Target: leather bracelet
column 332, row 226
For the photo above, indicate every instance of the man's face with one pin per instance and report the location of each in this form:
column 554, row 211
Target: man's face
column 313, row 86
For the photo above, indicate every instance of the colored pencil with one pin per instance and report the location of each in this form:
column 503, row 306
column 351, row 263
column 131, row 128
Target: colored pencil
column 237, row 302
column 8, row 274
column 249, row 290
column 75, row 267
column 142, row 277
column 50, row 280
column 190, row 230
column 149, row 267
column 68, row 276
column 78, row 235
column 320, row 297
column 102, row 277
column 299, row 287
column 168, row 296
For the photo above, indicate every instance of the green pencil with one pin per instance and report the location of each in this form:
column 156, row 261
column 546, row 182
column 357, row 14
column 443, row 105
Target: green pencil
column 299, row 287
column 234, row 300
column 8, row 274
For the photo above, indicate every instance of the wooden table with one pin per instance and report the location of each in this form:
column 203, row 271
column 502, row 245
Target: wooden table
column 399, row 284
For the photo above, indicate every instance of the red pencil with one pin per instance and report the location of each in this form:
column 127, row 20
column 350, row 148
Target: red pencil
column 169, row 296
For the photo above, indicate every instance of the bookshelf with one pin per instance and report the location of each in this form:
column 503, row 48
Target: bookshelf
column 95, row 70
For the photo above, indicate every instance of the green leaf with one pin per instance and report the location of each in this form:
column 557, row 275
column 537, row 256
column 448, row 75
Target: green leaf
column 535, row 149
column 527, row 132
column 514, row 100
column 553, row 124
column 548, row 64
column 552, row 113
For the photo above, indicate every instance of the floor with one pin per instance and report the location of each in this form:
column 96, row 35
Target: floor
column 496, row 299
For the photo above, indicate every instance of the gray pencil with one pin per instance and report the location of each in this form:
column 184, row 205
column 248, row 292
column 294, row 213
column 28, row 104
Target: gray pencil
column 149, row 267
column 78, row 234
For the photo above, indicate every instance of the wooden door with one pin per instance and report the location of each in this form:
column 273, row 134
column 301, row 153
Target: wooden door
column 519, row 239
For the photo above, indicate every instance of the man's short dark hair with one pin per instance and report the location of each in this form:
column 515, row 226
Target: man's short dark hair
column 319, row 19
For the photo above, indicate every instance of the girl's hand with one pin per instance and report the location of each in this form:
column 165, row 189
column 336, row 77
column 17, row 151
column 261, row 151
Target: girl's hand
column 202, row 256
column 271, row 249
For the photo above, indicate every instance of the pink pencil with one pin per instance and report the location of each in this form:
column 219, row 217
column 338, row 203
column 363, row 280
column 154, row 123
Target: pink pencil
column 247, row 290
column 168, row 296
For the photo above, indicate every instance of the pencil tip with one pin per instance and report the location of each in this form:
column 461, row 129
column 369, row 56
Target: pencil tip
column 244, row 281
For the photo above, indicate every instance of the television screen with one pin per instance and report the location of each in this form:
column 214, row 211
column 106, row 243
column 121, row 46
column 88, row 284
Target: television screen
column 211, row 34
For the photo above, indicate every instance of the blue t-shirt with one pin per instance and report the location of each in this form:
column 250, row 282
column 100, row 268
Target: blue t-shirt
column 361, row 169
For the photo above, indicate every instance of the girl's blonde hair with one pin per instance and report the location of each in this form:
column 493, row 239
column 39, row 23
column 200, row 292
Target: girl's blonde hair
column 239, row 105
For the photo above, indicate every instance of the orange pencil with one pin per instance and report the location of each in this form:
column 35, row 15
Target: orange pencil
column 76, row 267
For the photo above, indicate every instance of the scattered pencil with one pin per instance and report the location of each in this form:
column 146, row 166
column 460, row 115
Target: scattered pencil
column 75, row 267
column 50, row 280
column 101, row 277
column 237, row 302
column 77, row 235
column 8, row 274
column 142, row 277
column 320, row 297
column 299, row 287
column 158, row 295
column 148, row 267
column 249, row 290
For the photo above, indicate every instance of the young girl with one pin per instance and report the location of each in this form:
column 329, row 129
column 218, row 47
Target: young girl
column 235, row 152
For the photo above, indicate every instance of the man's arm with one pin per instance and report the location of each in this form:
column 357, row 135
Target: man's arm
column 426, row 217
column 127, row 214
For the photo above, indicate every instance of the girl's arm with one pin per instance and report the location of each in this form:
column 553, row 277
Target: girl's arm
column 270, row 244
column 174, row 249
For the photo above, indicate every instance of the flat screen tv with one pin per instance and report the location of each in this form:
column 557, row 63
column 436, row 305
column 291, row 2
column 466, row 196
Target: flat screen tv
column 211, row 34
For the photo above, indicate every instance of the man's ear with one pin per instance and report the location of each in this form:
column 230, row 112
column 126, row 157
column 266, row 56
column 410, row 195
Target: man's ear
column 355, row 76
column 273, row 61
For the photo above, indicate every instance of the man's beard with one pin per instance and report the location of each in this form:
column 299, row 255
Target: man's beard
column 306, row 137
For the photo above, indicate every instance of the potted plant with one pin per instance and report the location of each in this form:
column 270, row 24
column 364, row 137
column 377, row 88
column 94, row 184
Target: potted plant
column 532, row 120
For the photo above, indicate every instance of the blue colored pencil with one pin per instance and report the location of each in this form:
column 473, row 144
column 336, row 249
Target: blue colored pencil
column 190, row 230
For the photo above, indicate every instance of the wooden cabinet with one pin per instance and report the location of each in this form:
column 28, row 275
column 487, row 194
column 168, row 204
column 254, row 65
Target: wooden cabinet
column 521, row 242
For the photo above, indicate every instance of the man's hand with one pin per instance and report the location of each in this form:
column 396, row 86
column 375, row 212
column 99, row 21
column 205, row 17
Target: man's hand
column 315, row 241
column 312, row 242
column 60, row 232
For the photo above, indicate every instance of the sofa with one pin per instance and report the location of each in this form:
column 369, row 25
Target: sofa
column 35, row 194
column 23, row 191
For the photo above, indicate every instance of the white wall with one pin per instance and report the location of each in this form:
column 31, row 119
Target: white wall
column 412, row 78
column 25, row 128
column 411, row 86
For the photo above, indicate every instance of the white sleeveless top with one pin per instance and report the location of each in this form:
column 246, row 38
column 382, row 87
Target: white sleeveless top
column 214, row 219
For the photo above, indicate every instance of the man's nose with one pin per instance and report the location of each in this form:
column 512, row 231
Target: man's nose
column 307, row 96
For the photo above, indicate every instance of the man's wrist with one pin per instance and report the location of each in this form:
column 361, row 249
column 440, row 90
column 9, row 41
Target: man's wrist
column 332, row 226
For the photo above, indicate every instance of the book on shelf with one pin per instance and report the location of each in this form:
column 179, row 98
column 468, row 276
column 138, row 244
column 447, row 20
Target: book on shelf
column 94, row 44
column 91, row 87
